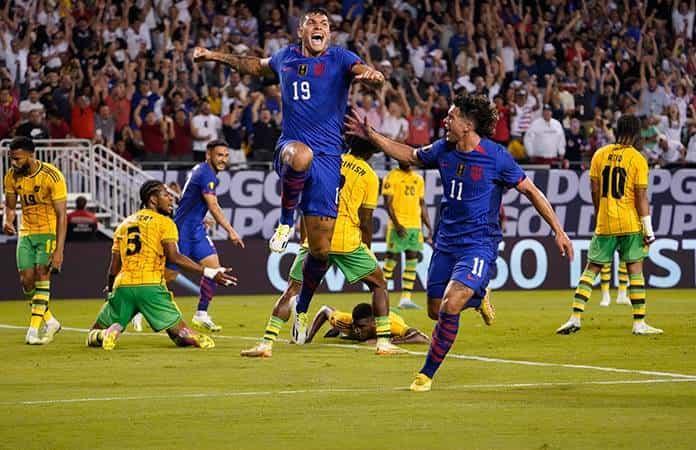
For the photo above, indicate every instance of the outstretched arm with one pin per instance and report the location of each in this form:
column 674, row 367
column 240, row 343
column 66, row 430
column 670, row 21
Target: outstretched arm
column 544, row 208
column 412, row 336
column 401, row 152
column 219, row 216
column 220, row 276
column 322, row 316
column 367, row 75
column 243, row 64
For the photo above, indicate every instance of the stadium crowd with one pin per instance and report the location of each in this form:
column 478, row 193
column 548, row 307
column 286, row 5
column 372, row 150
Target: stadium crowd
column 561, row 72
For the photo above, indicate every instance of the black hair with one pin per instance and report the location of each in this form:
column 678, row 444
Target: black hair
column 80, row 202
column 360, row 147
column 479, row 110
column 318, row 11
column 627, row 129
column 147, row 190
column 22, row 143
column 215, row 143
column 362, row 311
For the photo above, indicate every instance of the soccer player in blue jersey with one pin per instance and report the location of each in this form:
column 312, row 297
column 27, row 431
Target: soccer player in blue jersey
column 475, row 173
column 315, row 80
column 197, row 198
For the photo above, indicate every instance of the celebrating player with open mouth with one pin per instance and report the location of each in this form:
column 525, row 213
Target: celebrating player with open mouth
column 475, row 173
column 315, row 80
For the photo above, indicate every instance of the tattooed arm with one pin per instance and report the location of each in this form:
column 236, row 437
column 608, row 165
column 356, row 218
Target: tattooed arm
column 243, row 64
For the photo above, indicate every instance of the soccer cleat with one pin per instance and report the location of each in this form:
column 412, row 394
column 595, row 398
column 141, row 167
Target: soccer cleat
column 33, row 338
column 422, row 383
column 261, row 350
column 279, row 240
column 205, row 322
column 94, row 338
column 52, row 328
column 109, row 339
column 606, row 299
column 486, row 309
column 137, row 322
column 387, row 348
column 407, row 303
column 571, row 326
column 203, row 341
column 299, row 328
column 643, row 329
column 622, row 298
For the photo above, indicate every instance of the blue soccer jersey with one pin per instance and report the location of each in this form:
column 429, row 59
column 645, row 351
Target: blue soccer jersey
column 315, row 96
column 473, row 184
column 192, row 206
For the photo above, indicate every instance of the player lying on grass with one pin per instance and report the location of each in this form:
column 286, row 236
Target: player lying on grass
column 42, row 192
column 315, row 79
column 360, row 326
column 475, row 172
column 136, row 283
column 350, row 252
column 619, row 183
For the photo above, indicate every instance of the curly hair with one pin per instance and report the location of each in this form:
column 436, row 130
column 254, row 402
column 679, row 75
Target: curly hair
column 479, row 110
column 628, row 130
column 147, row 190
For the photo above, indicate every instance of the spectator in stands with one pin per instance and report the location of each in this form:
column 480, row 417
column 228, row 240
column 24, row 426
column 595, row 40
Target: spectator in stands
column 672, row 153
column 58, row 128
column 9, row 113
column 265, row 133
column 34, row 127
column 577, row 146
column 181, row 145
column 544, row 141
column 82, row 224
column 420, row 124
column 82, row 118
column 30, row 104
column 105, row 125
column 119, row 102
column 205, row 127
column 502, row 128
column 154, row 132
column 690, row 157
column 232, row 129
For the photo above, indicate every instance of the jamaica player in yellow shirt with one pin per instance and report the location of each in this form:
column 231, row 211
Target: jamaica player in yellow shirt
column 136, row 281
column 360, row 325
column 42, row 192
column 619, row 180
column 403, row 192
column 350, row 252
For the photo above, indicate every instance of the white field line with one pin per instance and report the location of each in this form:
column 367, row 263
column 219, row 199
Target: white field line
column 450, row 355
column 228, row 394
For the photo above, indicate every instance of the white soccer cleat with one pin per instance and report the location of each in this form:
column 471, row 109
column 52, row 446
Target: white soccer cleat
column 622, row 298
column 571, row 326
column 261, row 350
column 279, row 240
column 387, row 348
column 299, row 328
column 204, row 322
column 643, row 329
column 33, row 338
column 52, row 328
column 137, row 322
column 407, row 303
column 606, row 299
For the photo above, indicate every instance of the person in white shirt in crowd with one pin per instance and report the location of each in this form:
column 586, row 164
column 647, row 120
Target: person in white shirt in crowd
column 545, row 139
column 683, row 18
column 690, row 157
column 672, row 153
column 671, row 125
column 31, row 103
column 205, row 127
column 522, row 112
column 368, row 107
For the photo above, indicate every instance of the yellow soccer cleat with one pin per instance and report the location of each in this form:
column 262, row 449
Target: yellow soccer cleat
column 109, row 340
column 203, row 341
column 260, row 350
column 422, row 383
column 279, row 240
column 486, row 309
column 387, row 348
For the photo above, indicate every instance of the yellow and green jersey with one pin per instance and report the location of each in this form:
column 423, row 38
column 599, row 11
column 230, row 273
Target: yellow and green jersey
column 360, row 189
column 343, row 322
column 619, row 169
column 138, row 240
column 36, row 193
column 406, row 188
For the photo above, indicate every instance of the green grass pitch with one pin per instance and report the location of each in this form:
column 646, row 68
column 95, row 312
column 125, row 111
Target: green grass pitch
column 149, row 394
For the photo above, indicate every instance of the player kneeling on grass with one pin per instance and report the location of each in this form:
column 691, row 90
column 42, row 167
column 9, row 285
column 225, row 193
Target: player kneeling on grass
column 136, row 283
column 360, row 325
column 350, row 252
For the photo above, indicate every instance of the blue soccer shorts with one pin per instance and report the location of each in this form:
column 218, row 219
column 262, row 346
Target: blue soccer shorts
column 471, row 267
column 197, row 249
column 322, row 186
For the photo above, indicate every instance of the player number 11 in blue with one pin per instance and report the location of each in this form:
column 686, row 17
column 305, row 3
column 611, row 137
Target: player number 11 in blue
column 454, row 186
column 303, row 92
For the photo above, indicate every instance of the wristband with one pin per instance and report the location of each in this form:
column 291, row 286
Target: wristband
column 210, row 273
column 647, row 226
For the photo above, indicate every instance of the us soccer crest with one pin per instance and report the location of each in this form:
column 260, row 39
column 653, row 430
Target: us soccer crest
column 302, row 70
column 460, row 169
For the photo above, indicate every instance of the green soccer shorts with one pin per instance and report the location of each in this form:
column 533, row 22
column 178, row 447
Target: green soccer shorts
column 153, row 300
column 630, row 246
column 413, row 241
column 355, row 265
column 35, row 250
